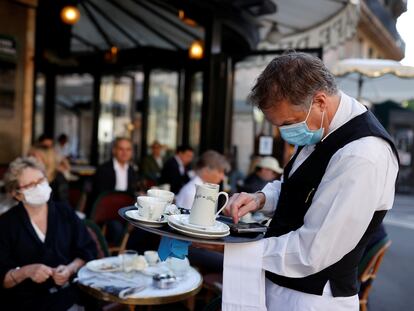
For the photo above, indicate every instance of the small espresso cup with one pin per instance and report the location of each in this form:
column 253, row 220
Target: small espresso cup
column 151, row 208
column 161, row 194
column 204, row 210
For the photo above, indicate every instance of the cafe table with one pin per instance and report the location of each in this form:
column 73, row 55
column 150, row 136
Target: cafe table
column 98, row 285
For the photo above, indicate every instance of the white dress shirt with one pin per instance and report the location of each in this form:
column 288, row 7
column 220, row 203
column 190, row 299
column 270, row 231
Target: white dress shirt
column 185, row 197
column 121, row 176
column 359, row 180
column 181, row 167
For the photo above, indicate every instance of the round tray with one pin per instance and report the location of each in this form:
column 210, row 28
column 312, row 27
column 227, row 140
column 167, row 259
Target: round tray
column 167, row 231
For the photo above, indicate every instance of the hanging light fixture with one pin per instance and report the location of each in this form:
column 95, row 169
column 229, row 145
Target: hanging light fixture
column 186, row 19
column 274, row 35
column 70, row 15
column 111, row 56
column 196, row 50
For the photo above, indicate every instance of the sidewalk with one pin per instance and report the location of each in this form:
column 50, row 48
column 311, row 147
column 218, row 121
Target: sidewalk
column 394, row 287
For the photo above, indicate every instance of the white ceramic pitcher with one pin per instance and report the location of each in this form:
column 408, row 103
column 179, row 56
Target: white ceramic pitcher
column 203, row 212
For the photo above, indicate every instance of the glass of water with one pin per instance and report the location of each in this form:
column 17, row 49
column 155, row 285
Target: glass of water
column 129, row 258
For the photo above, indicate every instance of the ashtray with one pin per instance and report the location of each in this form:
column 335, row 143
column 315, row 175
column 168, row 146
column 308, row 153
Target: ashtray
column 164, row 280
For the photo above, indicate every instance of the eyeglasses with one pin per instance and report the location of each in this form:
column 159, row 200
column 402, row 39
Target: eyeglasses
column 32, row 184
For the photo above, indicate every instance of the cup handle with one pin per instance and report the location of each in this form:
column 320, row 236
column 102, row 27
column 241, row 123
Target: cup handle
column 225, row 203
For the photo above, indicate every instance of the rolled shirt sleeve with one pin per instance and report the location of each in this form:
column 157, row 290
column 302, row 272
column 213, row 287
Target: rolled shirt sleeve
column 359, row 180
column 271, row 192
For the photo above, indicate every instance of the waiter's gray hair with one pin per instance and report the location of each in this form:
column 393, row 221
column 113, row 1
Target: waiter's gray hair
column 294, row 77
column 11, row 178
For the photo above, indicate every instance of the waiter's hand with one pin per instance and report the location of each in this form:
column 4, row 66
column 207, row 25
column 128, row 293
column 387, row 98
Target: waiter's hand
column 242, row 203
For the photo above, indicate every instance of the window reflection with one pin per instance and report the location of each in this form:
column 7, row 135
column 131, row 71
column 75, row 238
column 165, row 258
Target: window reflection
column 73, row 115
column 195, row 114
column 163, row 107
column 116, row 112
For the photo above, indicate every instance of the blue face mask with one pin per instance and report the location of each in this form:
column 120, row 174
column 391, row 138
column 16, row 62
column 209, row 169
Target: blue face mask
column 299, row 134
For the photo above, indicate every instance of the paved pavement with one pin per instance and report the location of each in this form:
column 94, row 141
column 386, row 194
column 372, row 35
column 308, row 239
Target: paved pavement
column 394, row 287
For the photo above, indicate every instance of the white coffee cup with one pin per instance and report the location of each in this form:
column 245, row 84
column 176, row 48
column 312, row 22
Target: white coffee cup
column 203, row 212
column 151, row 208
column 151, row 257
column 161, row 194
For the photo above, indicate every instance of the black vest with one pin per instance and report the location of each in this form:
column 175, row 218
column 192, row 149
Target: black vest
column 296, row 197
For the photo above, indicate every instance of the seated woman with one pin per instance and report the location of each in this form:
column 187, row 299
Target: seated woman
column 55, row 169
column 42, row 244
column 210, row 168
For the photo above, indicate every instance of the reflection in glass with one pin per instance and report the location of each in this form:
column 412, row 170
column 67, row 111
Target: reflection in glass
column 163, row 107
column 116, row 112
column 73, row 115
column 195, row 114
column 39, row 108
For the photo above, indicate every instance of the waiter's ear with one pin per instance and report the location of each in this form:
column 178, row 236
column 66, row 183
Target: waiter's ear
column 320, row 100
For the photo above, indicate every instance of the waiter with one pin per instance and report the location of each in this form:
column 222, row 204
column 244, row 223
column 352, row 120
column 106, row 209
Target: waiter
column 335, row 191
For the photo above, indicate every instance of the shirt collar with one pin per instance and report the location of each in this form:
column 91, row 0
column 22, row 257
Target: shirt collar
column 118, row 166
column 348, row 109
column 180, row 163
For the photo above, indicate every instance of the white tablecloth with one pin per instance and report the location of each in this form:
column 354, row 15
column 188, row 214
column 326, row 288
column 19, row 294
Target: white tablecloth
column 187, row 283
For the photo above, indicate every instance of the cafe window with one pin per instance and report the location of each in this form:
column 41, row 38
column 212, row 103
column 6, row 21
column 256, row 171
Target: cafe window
column 116, row 96
column 163, row 108
column 195, row 114
column 39, row 107
column 73, row 114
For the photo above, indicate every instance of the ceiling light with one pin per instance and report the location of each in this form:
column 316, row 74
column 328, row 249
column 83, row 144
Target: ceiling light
column 274, row 35
column 70, row 15
column 196, row 50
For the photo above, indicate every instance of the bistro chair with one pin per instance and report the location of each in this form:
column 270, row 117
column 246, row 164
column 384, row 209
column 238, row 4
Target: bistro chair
column 98, row 237
column 105, row 209
column 368, row 268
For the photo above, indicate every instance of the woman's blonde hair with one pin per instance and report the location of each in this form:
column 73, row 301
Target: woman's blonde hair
column 48, row 157
column 11, row 177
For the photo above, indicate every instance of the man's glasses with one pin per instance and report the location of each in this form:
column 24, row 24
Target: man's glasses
column 32, row 184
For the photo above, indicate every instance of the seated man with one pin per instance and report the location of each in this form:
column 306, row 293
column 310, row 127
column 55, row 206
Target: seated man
column 116, row 174
column 174, row 171
column 152, row 164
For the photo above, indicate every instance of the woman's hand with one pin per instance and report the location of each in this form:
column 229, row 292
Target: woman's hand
column 38, row 273
column 61, row 274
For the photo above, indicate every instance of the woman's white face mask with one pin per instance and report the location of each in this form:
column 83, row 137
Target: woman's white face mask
column 37, row 195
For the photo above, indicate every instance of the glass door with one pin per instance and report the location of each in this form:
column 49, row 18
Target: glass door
column 116, row 97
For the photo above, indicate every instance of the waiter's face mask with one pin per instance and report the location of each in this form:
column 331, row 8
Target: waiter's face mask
column 299, row 134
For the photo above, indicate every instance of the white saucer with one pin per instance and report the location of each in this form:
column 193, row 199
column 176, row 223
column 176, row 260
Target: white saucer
column 108, row 264
column 182, row 222
column 134, row 214
column 197, row 234
column 153, row 270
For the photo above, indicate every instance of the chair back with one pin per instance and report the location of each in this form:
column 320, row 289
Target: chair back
column 97, row 236
column 107, row 205
column 368, row 268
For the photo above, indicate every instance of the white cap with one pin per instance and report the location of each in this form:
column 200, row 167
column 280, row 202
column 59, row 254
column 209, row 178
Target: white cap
column 270, row 163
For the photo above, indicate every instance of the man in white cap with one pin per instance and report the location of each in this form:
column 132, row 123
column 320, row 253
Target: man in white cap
column 267, row 169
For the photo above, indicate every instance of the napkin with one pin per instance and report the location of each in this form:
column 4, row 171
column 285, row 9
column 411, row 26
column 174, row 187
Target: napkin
column 243, row 277
column 122, row 292
column 172, row 248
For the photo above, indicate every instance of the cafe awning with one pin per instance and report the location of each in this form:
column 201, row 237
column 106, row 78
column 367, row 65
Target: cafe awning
column 309, row 24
